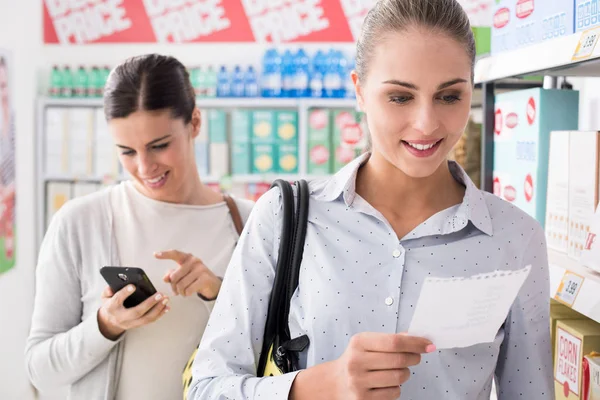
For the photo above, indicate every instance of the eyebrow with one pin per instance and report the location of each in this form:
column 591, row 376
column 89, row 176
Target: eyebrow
column 414, row 87
column 149, row 144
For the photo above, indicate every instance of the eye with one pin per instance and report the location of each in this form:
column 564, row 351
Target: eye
column 159, row 147
column 128, row 152
column 450, row 98
column 400, row 99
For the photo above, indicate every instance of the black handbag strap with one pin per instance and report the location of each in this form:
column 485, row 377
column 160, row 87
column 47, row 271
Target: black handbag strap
column 294, row 222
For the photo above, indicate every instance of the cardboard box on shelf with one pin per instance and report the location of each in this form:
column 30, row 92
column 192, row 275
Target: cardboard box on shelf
column 217, row 126
column 557, row 203
column 106, row 158
column 287, row 156
column 584, row 154
column 81, row 125
column 591, row 376
column 57, row 194
column 287, row 142
column 347, row 135
column 524, row 120
column 201, row 147
column 587, row 14
column 590, row 256
column 574, row 339
column 219, row 144
column 319, row 142
column 560, row 312
column 241, row 158
column 241, row 126
column 263, row 127
column 263, row 158
column 57, row 142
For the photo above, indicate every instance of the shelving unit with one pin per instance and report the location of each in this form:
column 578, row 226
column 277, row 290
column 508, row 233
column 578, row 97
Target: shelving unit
column 302, row 106
column 561, row 57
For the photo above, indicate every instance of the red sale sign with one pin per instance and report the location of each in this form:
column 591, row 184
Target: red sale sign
column 194, row 21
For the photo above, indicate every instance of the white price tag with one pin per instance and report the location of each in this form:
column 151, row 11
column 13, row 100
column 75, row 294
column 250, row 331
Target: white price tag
column 569, row 288
column 586, row 45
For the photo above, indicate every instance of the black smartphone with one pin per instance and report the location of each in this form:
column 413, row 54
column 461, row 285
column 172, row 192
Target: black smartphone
column 119, row 277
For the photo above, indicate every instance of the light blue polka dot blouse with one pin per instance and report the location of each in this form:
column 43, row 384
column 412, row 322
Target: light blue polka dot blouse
column 356, row 276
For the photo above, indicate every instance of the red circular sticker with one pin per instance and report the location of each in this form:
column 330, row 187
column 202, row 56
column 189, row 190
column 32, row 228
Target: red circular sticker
column 528, row 188
column 343, row 119
column 318, row 119
column 531, row 111
column 498, row 122
column 351, row 133
column 497, row 187
column 510, row 193
column 319, row 155
column 344, row 154
column 512, row 120
column 566, row 389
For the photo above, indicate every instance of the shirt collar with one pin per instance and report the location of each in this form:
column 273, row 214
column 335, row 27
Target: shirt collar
column 473, row 208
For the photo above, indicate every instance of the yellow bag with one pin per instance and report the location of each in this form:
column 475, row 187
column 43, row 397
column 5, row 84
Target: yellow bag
column 279, row 351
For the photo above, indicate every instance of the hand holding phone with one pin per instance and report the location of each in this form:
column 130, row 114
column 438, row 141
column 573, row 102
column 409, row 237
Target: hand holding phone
column 145, row 305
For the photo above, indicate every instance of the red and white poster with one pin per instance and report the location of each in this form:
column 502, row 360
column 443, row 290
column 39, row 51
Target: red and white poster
column 195, row 21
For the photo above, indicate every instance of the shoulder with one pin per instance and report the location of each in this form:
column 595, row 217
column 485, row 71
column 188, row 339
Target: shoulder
column 510, row 219
column 85, row 208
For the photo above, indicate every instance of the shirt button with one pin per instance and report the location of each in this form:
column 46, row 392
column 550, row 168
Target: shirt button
column 397, row 253
column 389, row 301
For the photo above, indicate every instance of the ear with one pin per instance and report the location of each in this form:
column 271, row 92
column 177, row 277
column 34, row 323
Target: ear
column 196, row 122
column 358, row 89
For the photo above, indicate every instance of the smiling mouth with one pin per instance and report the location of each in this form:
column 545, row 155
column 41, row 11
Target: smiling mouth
column 422, row 149
column 157, row 181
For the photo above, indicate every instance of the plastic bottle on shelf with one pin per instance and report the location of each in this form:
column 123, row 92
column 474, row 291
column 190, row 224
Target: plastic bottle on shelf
column 56, row 79
column 93, row 84
column 343, row 74
column 287, row 74
column 67, row 82
column 350, row 92
column 237, row 82
column 271, row 74
column 194, row 72
column 223, row 83
column 80, row 82
column 317, row 75
column 302, row 67
column 105, row 74
column 211, row 82
column 251, row 83
column 332, row 82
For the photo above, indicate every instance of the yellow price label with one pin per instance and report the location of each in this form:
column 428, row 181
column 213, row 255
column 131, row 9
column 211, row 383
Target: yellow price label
column 587, row 44
column 569, row 288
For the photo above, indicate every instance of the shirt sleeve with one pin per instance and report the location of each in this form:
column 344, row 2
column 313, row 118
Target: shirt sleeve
column 225, row 365
column 61, row 348
column 524, row 369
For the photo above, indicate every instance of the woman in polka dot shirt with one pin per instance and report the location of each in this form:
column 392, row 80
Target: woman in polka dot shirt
column 376, row 230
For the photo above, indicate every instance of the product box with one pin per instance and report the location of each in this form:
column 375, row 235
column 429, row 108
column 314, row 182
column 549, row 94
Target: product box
column 218, row 160
column 57, row 143
column 241, row 126
column 559, row 312
column 590, row 256
column 263, row 158
column 57, row 194
column 584, row 154
column 263, row 127
column 347, row 135
column 503, row 26
column 81, row 135
column 106, row 158
column 557, row 203
column 587, row 14
column 591, row 377
column 201, row 147
column 574, row 339
column 319, row 142
column 524, row 120
column 217, row 126
column 287, row 142
column 241, row 158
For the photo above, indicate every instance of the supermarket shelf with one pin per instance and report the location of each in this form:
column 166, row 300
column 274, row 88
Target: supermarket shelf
column 242, row 102
column 588, row 299
column 268, row 178
column 553, row 57
column 82, row 178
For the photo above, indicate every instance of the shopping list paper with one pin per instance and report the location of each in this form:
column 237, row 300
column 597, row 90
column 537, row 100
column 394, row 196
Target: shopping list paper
column 462, row 312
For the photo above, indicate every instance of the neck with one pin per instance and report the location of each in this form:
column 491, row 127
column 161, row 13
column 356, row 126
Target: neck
column 385, row 186
column 198, row 194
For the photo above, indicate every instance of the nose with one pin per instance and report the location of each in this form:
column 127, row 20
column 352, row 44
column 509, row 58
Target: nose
column 146, row 164
column 426, row 120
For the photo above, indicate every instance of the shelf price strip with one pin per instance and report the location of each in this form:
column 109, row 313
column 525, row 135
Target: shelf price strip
column 569, row 288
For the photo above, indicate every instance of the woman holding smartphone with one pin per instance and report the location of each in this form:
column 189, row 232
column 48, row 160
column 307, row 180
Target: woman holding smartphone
column 376, row 231
column 164, row 220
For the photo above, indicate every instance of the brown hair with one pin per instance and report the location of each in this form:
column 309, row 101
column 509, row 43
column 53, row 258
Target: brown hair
column 444, row 16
